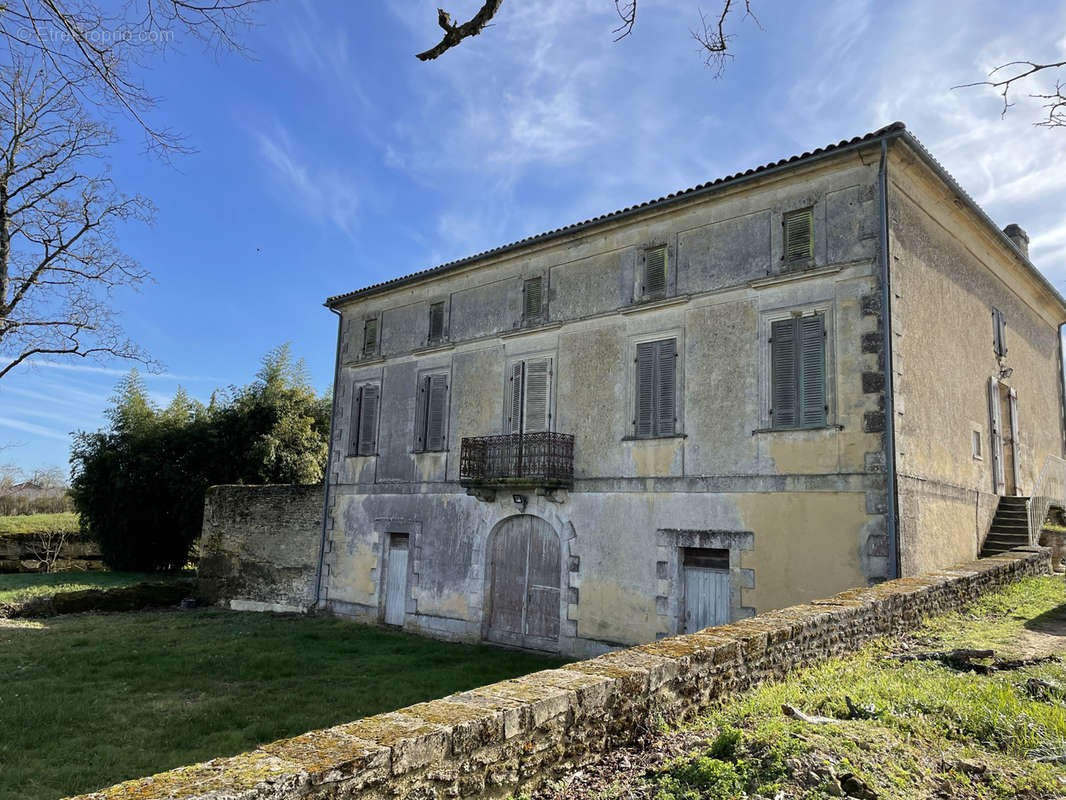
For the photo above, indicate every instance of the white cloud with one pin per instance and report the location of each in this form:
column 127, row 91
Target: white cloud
column 36, row 430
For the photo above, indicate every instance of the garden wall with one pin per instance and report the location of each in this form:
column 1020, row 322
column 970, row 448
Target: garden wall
column 514, row 735
column 23, row 552
column 260, row 545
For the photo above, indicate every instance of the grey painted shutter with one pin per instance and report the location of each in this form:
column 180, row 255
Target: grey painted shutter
column 370, row 336
column 353, row 434
column 655, row 271
column 783, row 374
column 1016, row 461
column 995, row 413
column 812, row 371
column 538, row 395
column 799, row 235
column 533, row 296
column 422, row 415
column 665, row 394
column 436, row 322
column 438, row 397
column 645, row 410
column 1000, row 336
column 368, row 421
column 515, row 417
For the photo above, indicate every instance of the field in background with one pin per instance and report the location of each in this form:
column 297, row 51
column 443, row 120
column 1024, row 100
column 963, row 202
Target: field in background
column 66, row 521
column 90, row 700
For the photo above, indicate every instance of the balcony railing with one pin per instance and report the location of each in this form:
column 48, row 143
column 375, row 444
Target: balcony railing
column 518, row 459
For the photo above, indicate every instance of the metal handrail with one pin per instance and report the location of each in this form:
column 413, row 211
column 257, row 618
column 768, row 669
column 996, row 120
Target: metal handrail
column 1049, row 490
column 546, row 457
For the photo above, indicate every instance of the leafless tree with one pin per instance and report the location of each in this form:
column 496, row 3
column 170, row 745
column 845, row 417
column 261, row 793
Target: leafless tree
column 101, row 53
column 1006, row 79
column 58, row 211
column 46, row 548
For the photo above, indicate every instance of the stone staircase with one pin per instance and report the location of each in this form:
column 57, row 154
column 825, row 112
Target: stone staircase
column 1010, row 527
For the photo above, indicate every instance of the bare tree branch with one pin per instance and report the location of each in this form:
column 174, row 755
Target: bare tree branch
column 713, row 38
column 628, row 15
column 1056, row 101
column 454, row 34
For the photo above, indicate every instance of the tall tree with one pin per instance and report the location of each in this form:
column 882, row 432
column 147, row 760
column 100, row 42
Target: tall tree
column 58, row 211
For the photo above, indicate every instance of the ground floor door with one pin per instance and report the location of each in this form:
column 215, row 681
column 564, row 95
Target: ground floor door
column 1003, row 402
column 706, row 588
column 524, row 593
column 396, row 579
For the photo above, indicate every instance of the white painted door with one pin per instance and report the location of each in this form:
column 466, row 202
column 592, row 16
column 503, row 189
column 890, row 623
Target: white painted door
column 1015, row 459
column 706, row 598
column 396, row 580
column 996, row 420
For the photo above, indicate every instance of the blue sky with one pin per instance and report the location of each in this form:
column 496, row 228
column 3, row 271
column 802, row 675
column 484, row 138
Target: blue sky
column 335, row 159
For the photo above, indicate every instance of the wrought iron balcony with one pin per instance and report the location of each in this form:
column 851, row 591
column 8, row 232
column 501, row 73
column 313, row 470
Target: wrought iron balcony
column 518, row 459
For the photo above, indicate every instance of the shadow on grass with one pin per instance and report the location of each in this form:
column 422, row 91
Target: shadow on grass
column 1051, row 623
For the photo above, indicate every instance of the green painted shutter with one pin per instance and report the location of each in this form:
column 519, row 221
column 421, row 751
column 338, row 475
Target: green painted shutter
column 665, row 394
column 368, row 421
column 538, row 395
column 514, row 417
column 645, row 402
column 655, row 271
column 783, row 392
column 812, row 370
column 532, row 298
column 799, row 235
column 435, row 408
column 436, row 322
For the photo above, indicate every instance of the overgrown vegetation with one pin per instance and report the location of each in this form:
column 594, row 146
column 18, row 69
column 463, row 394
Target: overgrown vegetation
column 19, row 587
column 139, row 486
column 90, row 700
column 878, row 727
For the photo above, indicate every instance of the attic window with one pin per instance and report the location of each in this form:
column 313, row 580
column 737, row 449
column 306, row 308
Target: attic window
column 655, row 271
column 799, row 235
column 533, row 298
column 436, row 321
column 370, row 337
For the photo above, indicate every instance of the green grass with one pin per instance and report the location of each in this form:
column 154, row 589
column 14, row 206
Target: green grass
column 66, row 521
column 18, row 587
column 928, row 721
column 90, row 700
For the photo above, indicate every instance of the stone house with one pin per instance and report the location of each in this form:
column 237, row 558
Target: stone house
column 816, row 374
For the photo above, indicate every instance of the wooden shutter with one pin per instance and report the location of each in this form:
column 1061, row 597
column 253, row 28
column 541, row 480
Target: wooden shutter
column 436, row 403
column 537, row 395
column 368, row 420
column 1016, row 461
column 532, row 298
column 799, row 235
column 436, row 322
column 370, row 337
column 514, row 418
column 353, row 434
column 994, row 412
column 783, row 392
column 645, row 410
column 665, row 394
column 655, row 271
column 999, row 332
column 421, row 414
column 812, row 405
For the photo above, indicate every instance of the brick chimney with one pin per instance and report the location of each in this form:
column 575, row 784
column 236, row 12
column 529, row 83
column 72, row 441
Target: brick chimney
column 1016, row 233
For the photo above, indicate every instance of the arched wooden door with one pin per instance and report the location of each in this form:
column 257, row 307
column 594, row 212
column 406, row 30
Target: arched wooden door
column 524, row 594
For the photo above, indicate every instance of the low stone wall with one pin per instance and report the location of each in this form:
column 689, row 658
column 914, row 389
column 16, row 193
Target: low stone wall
column 512, row 736
column 260, row 546
column 124, row 598
column 21, row 552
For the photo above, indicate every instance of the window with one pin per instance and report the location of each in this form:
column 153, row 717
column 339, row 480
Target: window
column 798, row 235
column 999, row 333
column 436, row 322
column 370, row 336
column 533, row 298
column 656, row 399
column 363, row 440
column 655, row 259
column 432, row 410
column 797, row 364
column 529, row 396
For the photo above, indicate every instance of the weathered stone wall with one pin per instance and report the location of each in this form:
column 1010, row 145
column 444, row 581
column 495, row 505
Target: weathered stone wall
column 514, row 735
column 21, row 552
column 260, row 547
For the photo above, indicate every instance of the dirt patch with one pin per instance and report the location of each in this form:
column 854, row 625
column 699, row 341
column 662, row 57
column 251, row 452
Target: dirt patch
column 1043, row 636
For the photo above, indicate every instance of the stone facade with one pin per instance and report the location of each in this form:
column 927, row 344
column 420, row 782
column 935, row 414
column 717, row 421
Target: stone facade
column 512, row 736
column 879, row 482
column 260, row 547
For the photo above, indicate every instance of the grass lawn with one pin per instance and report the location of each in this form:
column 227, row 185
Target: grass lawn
column 18, row 587
column 90, row 700
column 919, row 729
column 32, row 523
